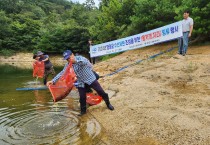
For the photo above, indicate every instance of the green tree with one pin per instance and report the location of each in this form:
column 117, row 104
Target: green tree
column 64, row 36
column 113, row 19
column 5, row 29
column 150, row 15
column 9, row 6
column 54, row 25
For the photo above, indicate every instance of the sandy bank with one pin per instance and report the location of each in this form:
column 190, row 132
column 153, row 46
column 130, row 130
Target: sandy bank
column 162, row 101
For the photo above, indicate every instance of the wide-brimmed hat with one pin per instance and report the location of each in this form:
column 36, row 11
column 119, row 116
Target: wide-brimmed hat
column 67, row 54
column 39, row 53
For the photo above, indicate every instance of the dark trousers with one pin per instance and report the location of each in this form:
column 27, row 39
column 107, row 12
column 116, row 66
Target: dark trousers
column 46, row 74
column 97, row 87
column 88, row 88
column 93, row 60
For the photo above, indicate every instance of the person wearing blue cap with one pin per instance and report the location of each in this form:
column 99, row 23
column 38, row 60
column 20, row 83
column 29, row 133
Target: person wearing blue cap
column 48, row 65
column 84, row 72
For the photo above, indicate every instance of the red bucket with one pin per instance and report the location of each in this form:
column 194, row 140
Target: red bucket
column 93, row 99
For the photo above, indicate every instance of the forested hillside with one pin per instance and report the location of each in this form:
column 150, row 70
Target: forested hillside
column 54, row 25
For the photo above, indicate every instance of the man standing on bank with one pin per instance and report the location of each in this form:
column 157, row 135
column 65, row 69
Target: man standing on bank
column 93, row 59
column 187, row 28
column 83, row 70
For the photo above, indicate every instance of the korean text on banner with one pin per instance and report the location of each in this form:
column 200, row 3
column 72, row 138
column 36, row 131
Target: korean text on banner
column 165, row 33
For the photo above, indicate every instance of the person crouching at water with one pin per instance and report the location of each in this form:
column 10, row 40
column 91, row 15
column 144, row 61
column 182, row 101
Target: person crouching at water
column 48, row 65
column 83, row 70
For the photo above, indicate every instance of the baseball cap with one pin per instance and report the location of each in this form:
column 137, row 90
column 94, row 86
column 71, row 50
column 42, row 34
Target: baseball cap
column 67, row 54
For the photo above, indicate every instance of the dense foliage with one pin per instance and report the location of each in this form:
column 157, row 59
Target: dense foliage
column 55, row 25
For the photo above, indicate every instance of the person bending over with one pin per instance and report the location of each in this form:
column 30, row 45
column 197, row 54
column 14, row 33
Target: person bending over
column 84, row 73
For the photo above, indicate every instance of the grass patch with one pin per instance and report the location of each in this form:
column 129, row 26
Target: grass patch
column 6, row 52
column 190, row 68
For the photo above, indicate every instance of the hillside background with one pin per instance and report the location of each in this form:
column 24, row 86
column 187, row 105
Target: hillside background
column 55, row 25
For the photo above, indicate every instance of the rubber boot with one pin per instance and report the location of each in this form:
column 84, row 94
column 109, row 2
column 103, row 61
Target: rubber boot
column 83, row 111
column 83, row 107
column 108, row 104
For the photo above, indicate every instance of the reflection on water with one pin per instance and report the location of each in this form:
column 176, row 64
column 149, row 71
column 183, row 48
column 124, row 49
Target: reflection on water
column 31, row 117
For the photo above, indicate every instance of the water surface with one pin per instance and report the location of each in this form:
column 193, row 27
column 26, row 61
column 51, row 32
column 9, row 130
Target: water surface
column 31, row 117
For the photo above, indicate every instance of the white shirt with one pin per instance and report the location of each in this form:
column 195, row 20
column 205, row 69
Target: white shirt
column 186, row 23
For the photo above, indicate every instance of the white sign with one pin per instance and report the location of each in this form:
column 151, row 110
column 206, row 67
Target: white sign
column 166, row 33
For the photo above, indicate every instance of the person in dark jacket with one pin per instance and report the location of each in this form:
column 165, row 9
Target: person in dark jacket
column 93, row 59
column 48, row 66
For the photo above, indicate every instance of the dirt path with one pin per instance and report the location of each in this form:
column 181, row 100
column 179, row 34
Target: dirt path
column 162, row 101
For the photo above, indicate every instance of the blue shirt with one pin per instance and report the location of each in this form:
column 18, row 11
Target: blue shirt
column 83, row 70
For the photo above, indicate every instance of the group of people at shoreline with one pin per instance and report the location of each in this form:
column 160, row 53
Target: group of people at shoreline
column 84, row 69
column 86, row 76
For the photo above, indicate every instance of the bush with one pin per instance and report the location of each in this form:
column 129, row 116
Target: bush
column 6, row 52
